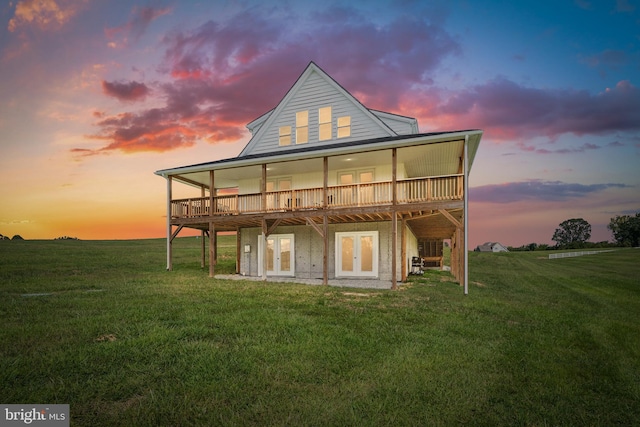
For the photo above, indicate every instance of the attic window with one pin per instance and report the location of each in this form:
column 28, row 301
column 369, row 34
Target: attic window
column 324, row 123
column 344, row 126
column 302, row 127
column 285, row 135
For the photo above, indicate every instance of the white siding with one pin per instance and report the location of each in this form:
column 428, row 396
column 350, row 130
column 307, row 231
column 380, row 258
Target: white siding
column 401, row 127
column 317, row 92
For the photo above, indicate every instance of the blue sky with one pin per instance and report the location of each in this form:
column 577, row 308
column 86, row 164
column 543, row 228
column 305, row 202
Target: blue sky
column 96, row 95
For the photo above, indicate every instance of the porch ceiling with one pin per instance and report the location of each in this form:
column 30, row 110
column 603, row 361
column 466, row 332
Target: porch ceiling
column 420, row 158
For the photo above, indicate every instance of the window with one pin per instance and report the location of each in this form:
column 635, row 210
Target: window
column 302, row 127
column 285, row 135
column 344, row 126
column 324, row 123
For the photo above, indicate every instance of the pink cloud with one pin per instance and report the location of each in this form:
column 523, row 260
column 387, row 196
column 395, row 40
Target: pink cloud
column 131, row 91
column 43, row 14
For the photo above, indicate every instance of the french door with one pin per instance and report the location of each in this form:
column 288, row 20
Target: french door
column 357, row 254
column 280, row 254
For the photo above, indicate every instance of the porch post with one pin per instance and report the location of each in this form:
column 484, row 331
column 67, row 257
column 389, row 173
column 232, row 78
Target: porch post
column 325, row 222
column 238, row 251
column 394, row 249
column 403, row 248
column 465, row 213
column 325, row 250
column 202, row 257
column 212, row 192
column 202, row 249
column 264, row 249
column 212, row 249
column 394, row 220
column 169, row 248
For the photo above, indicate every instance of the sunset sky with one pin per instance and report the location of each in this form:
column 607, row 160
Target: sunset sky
column 97, row 95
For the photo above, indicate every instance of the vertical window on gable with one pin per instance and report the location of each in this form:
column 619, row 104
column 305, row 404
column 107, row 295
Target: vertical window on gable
column 324, row 123
column 302, row 127
column 285, row 135
column 344, row 126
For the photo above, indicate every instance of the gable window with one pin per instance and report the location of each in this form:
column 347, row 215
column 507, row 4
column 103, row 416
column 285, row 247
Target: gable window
column 285, row 135
column 324, row 123
column 344, row 126
column 302, row 127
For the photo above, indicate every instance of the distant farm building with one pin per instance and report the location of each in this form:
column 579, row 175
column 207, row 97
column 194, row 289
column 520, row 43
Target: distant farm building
column 491, row 247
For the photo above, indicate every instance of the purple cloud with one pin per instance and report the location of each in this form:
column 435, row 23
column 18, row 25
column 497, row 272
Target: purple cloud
column 572, row 150
column 140, row 19
column 225, row 75
column 535, row 190
column 131, row 91
column 507, row 110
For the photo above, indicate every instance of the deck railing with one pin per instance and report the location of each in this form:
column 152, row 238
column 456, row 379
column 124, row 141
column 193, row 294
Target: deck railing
column 416, row 190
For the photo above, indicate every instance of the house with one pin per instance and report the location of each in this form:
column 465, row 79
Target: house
column 327, row 188
column 491, row 247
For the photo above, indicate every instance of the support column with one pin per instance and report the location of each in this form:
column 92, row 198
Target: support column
column 325, row 250
column 212, row 249
column 238, row 250
column 394, row 219
column 465, row 214
column 394, row 250
column 403, row 248
column 169, row 248
column 202, row 250
column 264, row 249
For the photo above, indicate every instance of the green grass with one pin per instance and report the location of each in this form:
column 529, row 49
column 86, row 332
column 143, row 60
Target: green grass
column 536, row 342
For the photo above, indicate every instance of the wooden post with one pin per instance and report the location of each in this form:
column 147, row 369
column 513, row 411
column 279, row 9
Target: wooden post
column 238, row 250
column 325, row 182
column 394, row 219
column 202, row 245
column 169, row 247
column 263, row 188
column 212, row 249
column 394, row 250
column 325, row 250
column 403, row 248
column 264, row 249
column 465, row 214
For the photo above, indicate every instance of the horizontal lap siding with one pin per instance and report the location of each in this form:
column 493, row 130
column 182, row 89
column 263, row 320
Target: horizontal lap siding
column 315, row 94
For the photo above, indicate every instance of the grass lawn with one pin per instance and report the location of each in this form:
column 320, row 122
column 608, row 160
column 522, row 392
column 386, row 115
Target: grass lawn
column 102, row 326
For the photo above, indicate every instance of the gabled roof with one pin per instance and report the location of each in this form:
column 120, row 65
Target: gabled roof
column 260, row 126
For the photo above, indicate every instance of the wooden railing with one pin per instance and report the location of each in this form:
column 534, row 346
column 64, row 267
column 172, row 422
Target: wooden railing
column 416, row 190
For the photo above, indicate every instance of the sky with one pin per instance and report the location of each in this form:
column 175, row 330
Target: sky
column 96, row 95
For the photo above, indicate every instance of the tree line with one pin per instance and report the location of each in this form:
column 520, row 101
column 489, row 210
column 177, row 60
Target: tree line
column 575, row 233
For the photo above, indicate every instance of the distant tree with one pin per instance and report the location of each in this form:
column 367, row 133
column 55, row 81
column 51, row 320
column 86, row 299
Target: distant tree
column 626, row 229
column 17, row 237
column 573, row 232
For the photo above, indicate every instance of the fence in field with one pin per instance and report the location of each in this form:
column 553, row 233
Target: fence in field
column 575, row 254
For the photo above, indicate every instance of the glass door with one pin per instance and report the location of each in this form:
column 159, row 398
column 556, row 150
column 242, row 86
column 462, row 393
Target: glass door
column 279, row 256
column 357, row 254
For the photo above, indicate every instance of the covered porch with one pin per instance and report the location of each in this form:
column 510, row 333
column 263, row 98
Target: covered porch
column 418, row 186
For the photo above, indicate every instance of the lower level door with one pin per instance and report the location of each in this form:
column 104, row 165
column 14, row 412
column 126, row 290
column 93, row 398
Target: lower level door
column 357, row 254
column 280, row 254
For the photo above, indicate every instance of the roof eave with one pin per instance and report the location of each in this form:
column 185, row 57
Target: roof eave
column 385, row 143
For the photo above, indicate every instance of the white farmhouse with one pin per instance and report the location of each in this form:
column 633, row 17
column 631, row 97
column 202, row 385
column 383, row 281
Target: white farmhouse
column 327, row 188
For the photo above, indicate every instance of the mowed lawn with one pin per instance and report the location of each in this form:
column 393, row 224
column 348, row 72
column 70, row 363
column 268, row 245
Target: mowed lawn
column 102, row 326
